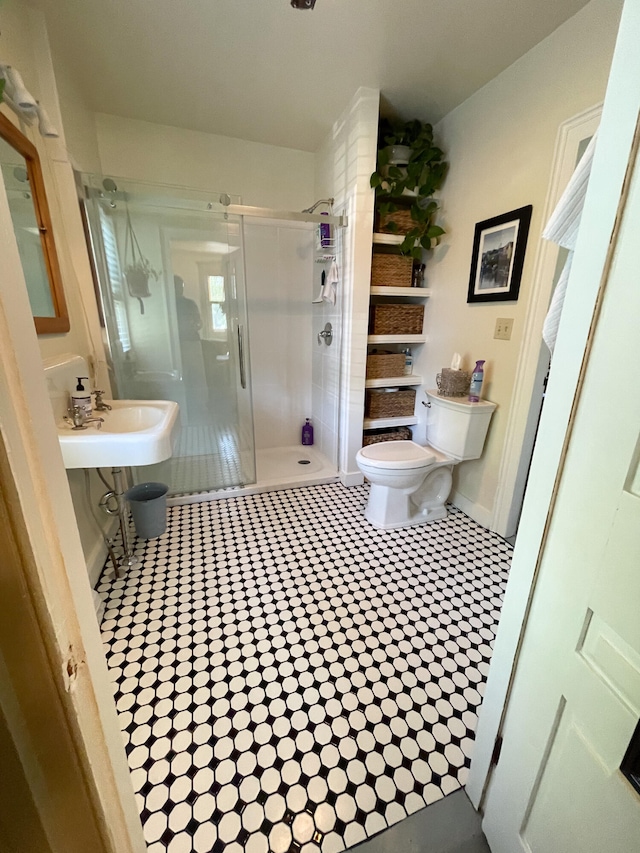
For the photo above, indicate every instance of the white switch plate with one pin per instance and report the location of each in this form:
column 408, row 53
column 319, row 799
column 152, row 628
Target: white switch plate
column 504, row 325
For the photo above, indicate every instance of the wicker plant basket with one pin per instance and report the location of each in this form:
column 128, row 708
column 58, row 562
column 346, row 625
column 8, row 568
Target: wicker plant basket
column 396, row 319
column 381, row 403
column 397, row 434
column 402, row 219
column 382, row 365
column 389, row 270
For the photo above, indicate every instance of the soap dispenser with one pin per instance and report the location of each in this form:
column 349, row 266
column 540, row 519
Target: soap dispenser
column 81, row 397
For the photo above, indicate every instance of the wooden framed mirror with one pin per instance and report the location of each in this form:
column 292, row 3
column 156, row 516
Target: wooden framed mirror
column 22, row 176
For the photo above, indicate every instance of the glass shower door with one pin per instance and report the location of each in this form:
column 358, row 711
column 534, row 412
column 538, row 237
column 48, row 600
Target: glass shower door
column 180, row 333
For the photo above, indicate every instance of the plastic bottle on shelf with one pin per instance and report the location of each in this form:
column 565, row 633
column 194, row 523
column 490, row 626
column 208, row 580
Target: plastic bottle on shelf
column 408, row 362
column 417, row 276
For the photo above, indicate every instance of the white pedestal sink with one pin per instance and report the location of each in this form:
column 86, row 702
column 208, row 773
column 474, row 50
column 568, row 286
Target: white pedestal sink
column 134, row 432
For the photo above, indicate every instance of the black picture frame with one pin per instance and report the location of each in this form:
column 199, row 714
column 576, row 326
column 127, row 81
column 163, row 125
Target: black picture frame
column 499, row 245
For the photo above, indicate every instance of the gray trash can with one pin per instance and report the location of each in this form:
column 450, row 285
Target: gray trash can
column 148, row 503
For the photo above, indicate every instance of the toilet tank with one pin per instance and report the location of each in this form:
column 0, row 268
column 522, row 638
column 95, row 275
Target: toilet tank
column 457, row 427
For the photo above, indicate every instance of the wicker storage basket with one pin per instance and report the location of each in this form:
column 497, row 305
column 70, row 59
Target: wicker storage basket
column 396, row 319
column 453, row 383
column 382, row 403
column 402, row 219
column 382, row 365
column 398, row 434
column 391, row 270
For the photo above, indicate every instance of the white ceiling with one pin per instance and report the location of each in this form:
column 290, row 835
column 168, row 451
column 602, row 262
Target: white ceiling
column 262, row 71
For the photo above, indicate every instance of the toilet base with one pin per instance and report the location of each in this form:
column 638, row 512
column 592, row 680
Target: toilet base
column 423, row 517
column 389, row 508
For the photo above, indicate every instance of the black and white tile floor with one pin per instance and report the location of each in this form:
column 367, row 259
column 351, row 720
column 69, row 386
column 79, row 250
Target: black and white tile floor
column 289, row 679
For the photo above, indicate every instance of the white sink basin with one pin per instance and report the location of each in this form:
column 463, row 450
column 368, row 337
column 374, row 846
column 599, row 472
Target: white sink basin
column 134, row 432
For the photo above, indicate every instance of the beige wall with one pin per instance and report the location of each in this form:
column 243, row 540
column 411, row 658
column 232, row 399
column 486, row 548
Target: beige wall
column 78, row 120
column 500, row 144
column 25, row 45
column 263, row 175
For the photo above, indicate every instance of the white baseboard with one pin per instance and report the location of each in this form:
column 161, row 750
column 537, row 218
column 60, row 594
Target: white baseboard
column 475, row 511
column 97, row 557
column 356, row 478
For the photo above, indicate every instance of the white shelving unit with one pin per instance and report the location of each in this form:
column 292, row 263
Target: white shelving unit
column 381, row 239
column 413, row 380
column 396, row 339
column 402, row 381
column 380, row 423
column 420, row 292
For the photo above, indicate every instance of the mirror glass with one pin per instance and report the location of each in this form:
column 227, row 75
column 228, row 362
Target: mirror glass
column 22, row 177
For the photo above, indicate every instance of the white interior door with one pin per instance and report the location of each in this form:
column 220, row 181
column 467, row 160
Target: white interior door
column 576, row 696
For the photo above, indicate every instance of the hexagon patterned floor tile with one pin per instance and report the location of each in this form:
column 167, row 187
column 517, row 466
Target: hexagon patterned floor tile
column 291, row 680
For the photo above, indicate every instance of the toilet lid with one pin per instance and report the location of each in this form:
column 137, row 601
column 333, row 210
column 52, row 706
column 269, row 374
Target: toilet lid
column 397, row 454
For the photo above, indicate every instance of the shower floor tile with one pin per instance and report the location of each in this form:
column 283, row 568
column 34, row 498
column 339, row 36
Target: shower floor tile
column 205, row 458
column 289, row 679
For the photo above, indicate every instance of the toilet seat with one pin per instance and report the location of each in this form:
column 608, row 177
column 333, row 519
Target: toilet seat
column 397, row 455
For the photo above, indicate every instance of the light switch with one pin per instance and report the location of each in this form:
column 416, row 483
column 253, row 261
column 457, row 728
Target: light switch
column 504, row 325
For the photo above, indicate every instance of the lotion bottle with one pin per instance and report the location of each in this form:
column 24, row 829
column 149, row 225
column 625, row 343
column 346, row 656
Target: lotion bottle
column 476, row 382
column 81, row 397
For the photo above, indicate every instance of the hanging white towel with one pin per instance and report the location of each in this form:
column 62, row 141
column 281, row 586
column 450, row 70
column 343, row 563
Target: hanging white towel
column 562, row 229
column 330, row 287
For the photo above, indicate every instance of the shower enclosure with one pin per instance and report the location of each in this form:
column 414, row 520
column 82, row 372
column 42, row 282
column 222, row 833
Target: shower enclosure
column 208, row 303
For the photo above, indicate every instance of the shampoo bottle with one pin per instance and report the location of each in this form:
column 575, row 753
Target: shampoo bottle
column 325, row 232
column 408, row 362
column 476, row 382
column 307, row 433
column 81, row 397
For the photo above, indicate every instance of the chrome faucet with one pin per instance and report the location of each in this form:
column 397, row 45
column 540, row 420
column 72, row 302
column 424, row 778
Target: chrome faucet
column 100, row 405
column 80, row 420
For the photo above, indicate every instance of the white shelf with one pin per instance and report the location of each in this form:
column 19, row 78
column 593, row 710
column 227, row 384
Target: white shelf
column 391, row 382
column 396, row 339
column 380, row 423
column 383, row 290
column 387, row 239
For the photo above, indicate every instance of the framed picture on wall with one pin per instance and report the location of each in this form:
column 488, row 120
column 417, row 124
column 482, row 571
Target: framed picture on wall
column 499, row 245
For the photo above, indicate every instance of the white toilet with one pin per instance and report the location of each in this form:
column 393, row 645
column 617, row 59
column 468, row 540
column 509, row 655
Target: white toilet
column 410, row 483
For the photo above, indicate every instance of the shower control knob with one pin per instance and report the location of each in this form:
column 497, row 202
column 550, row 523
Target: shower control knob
column 326, row 334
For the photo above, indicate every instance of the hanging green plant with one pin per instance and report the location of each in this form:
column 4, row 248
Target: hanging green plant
column 410, row 169
column 138, row 269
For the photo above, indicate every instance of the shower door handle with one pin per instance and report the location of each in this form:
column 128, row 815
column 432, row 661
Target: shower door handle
column 243, row 377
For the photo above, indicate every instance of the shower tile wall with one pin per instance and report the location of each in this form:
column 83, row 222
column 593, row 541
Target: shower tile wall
column 326, row 359
column 279, row 270
column 291, row 680
column 344, row 165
